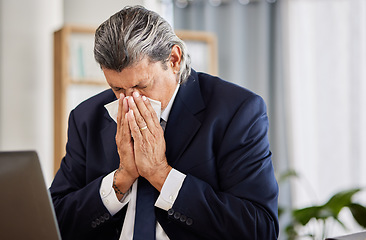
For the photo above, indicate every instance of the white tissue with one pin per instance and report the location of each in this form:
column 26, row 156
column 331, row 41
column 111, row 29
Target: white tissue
column 112, row 108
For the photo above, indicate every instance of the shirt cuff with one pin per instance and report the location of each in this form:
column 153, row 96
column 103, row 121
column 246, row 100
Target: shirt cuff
column 109, row 197
column 170, row 190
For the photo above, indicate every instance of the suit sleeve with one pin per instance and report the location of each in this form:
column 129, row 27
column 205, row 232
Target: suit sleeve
column 245, row 206
column 80, row 211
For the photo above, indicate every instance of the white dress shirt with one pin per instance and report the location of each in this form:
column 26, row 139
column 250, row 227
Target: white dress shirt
column 165, row 201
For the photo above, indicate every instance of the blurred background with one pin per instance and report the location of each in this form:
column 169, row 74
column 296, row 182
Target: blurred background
column 306, row 58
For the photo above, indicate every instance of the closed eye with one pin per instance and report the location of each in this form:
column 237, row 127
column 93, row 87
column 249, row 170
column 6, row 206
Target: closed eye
column 116, row 89
column 141, row 87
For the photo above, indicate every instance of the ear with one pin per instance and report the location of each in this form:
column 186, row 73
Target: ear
column 175, row 58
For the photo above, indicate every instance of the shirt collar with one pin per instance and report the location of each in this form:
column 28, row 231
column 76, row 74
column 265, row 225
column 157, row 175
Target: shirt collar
column 166, row 112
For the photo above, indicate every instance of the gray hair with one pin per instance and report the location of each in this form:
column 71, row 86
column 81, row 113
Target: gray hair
column 134, row 33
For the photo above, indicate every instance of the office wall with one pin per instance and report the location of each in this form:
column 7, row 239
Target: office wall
column 93, row 13
column 26, row 101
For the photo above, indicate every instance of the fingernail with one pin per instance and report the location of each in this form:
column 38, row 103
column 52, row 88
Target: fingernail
column 144, row 98
column 136, row 94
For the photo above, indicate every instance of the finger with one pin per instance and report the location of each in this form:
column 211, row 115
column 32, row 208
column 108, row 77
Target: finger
column 119, row 116
column 125, row 105
column 153, row 122
column 138, row 118
column 122, row 110
column 123, row 133
column 126, row 132
column 146, row 110
column 136, row 133
column 151, row 109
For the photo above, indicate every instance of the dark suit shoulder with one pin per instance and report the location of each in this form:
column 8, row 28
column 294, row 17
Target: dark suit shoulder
column 225, row 95
column 97, row 100
column 94, row 105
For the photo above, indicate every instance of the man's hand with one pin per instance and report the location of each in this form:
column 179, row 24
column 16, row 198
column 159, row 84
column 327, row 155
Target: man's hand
column 149, row 142
column 127, row 172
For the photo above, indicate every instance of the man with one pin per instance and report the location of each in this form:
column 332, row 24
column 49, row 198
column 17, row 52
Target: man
column 200, row 161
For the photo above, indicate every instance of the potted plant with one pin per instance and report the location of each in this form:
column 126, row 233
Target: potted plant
column 322, row 215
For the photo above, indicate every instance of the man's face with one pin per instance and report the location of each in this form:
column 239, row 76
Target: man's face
column 147, row 78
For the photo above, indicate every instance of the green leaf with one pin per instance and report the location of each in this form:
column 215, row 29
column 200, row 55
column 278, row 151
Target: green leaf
column 286, row 175
column 304, row 215
column 341, row 223
column 359, row 213
column 291, row 232
column 340, row 200
column 281, row 210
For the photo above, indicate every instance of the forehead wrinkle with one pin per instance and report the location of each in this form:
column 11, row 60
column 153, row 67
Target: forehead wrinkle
column 130, row 77
column 140, row 71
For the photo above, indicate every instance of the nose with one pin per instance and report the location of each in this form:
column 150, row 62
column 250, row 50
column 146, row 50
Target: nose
column 130, row 91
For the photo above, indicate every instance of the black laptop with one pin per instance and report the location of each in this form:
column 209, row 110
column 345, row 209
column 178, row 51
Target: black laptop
column 25, row 204
column 354, row 236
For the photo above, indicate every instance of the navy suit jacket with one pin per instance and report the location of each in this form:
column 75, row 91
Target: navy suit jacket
column 216, row 134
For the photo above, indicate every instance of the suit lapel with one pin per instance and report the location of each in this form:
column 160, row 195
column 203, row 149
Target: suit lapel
column 183, row 124
column 108, row 134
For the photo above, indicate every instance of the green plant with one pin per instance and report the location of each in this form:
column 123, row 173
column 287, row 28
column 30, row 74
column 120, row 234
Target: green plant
column 321, row 214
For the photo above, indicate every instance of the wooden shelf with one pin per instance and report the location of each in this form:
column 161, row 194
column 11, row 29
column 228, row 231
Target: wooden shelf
column 65, row 82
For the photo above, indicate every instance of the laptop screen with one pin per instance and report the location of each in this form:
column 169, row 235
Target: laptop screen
column 25, row 204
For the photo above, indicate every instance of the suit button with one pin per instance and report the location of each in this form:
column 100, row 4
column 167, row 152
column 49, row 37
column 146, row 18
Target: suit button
column 102, row 219
column 171, row 212
column 106, row 216
column 97, row 221
column 189, row 221
column 176, row 215
column 183, row 218
column 93, row 224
